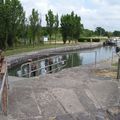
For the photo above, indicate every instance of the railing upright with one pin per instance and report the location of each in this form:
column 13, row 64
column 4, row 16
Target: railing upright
column 3, row 86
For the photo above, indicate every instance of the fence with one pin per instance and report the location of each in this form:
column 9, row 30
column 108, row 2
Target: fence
column 3, row 88
column 43, row 66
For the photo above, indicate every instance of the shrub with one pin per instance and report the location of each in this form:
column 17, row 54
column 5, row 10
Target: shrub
column 95, row 40
column 87, row 39
column 84, row 40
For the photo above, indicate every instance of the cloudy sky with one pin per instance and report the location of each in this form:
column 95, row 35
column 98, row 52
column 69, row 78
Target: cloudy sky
column 104, row 13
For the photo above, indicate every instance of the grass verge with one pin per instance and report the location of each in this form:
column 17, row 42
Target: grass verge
column 22, row 49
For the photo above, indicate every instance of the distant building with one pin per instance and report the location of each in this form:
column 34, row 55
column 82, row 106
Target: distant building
column 45, row 38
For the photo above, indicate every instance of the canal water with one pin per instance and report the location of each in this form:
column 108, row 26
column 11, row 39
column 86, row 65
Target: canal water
column 82, row 57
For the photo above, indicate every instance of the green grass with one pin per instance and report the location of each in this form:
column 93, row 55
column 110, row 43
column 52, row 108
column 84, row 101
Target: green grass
column 22, row 49
column 29, row 48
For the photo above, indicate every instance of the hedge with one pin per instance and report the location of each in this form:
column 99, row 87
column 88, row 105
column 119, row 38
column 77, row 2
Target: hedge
column 89, row 39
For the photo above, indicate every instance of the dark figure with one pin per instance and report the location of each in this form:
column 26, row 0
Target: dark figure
column 50, row 65
column 33, row 68
column 117, row 49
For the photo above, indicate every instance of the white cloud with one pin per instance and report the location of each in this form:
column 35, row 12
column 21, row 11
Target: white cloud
column 104, row 13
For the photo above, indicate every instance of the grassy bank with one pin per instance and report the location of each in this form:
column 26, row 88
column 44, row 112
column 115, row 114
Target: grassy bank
column 29, row 48
column 22, row 49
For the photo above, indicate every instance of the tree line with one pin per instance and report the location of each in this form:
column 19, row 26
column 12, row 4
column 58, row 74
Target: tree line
column 99, row 32
column 16, row 29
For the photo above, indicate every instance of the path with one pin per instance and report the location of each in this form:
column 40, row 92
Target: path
column 72, row 94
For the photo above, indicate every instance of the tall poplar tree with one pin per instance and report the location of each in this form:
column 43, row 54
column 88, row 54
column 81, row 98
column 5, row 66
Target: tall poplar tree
column 50, row 19
column 70, row 27
column 34, row 24
column 56, row 25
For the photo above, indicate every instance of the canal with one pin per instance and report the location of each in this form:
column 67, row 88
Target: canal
column 77, row 58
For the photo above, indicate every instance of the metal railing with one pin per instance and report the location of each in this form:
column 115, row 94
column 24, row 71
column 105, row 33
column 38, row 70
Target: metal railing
column 4, row 89
column 28, row 71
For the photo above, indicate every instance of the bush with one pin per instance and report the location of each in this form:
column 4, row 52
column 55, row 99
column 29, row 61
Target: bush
column 88, row 39
column 84, row 40
column 95, row 40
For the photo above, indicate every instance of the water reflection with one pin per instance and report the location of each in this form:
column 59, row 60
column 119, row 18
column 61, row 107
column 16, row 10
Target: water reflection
column 88, row 56
column 42, row 67
column 73, row 60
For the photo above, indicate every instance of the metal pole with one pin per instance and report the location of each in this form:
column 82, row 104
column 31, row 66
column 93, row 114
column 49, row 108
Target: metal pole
column 37, row 67
column 29, row 70
column 90, row 43
column 112, row 59
column 95, row 58
column 72, row 60
column 118, row 71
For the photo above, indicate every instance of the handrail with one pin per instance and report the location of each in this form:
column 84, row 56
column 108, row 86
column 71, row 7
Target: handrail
column 3, row 89
column 29, row 64
column 3, row 81
column 51, row 66
column 37, row 61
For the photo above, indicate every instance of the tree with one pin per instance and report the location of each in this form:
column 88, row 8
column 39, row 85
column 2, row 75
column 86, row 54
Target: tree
column 78, row 27
column 16, row 16
column 116, row 33
column 11, row 11
column 100, row 31
column 23, row 29
column 87, row 33
column 2, row 25
column 39, row 33
column 50, row 19
column 70, row 27
column 34, row 24
column 56, row 25
column 64, row 27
